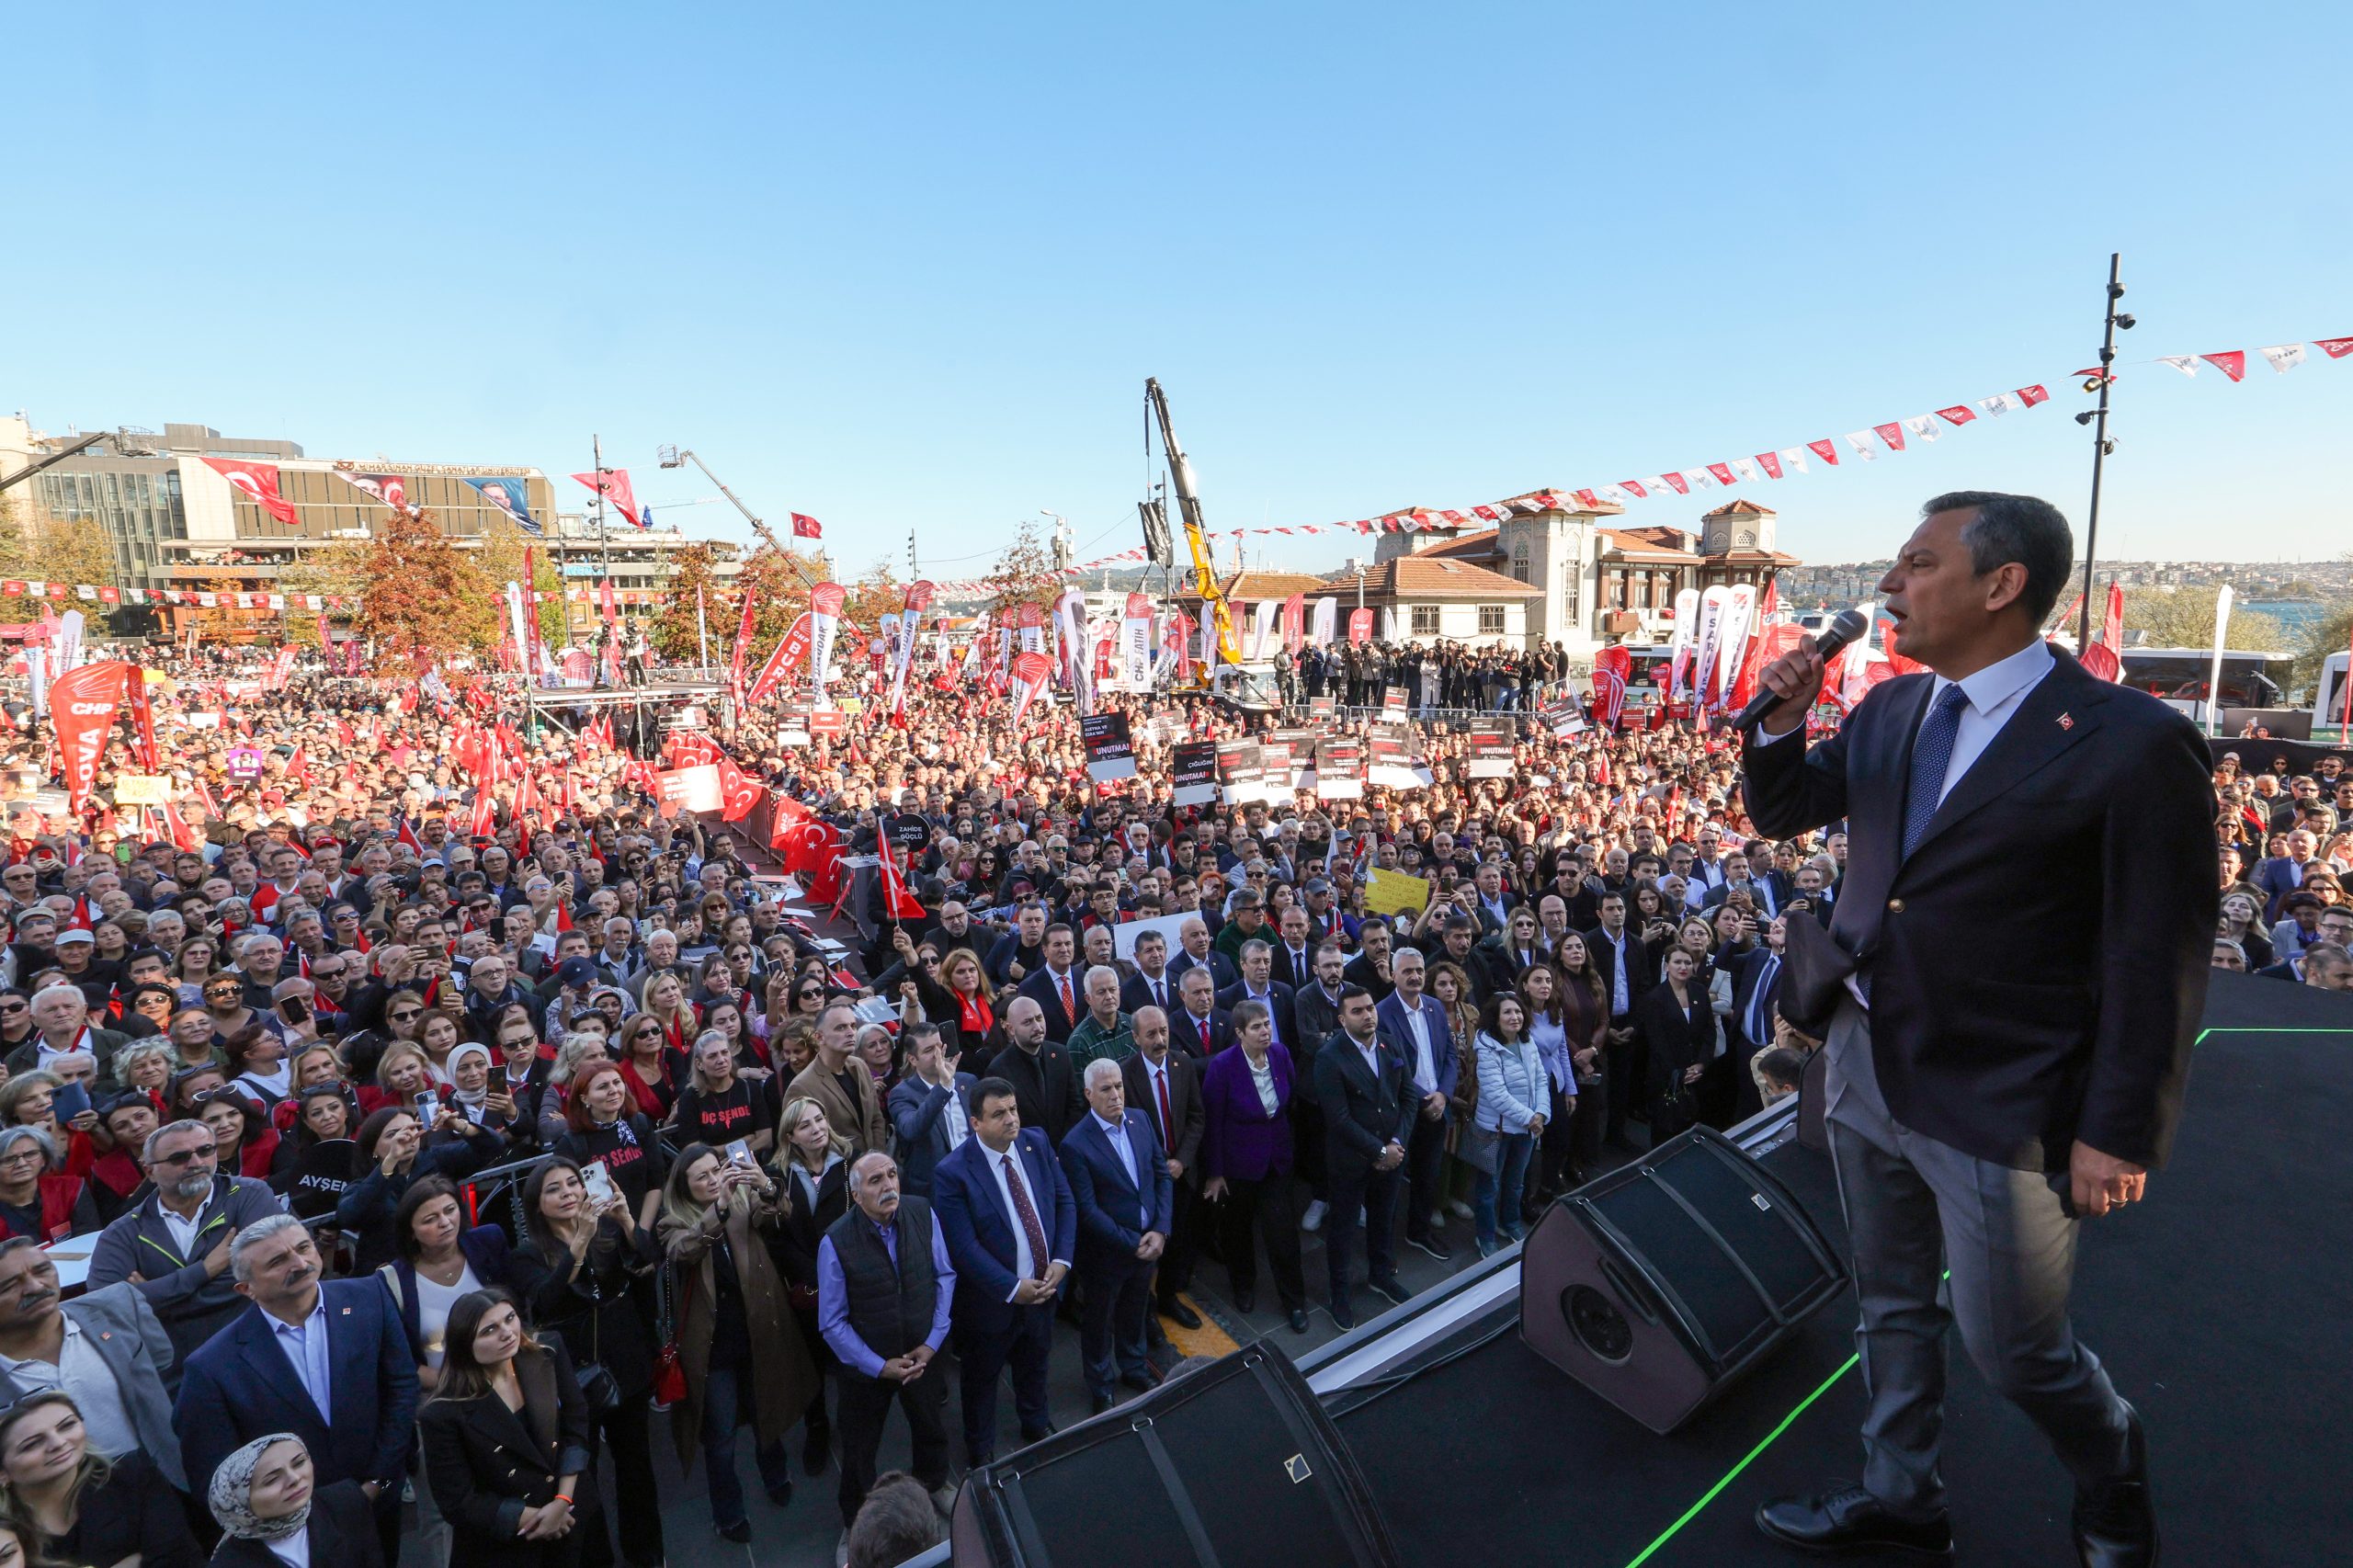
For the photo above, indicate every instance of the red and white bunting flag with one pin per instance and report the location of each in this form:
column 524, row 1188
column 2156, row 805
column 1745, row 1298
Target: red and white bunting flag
column 1999, row 403
column 2284, row 357
column 2186, row 363
column 1861, row 441
column 1586, row 498
column 1793, row 459
column 2334, row 348
column 1634, row 488
column 260, row 481
column 1745, row 468
column 1958, row 415
column 2232, row 364
column 1682, row 485
column 1723, row 474
column 1893, row 434
column 1699, row 479
column 804, row 527
column 2029, row 397
column 1924, row 426
column 1770, row 462
column 1823, row 449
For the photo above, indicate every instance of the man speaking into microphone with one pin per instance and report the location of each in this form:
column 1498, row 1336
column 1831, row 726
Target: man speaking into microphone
column 2003, row 802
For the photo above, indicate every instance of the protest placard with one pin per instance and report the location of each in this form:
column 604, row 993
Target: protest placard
column 1394, row 892
column 1339, row 768
column 1491, row 750
column 1193, row 773
column 1110, row 754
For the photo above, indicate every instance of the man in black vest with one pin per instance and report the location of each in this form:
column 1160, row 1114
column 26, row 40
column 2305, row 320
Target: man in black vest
column 884, row 1283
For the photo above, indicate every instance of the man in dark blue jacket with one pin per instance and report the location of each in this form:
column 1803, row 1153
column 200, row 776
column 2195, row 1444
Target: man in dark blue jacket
column 327, row 1362
column 1004, row 1205
column 1119, row 1185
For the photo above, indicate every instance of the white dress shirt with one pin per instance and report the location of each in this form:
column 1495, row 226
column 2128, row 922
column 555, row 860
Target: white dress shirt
column 1117, row 1131
column 1024, row 1263
column 305, row 1345
column 1425, row 1072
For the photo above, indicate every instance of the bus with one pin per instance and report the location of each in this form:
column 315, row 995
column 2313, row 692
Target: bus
column 2180, row 677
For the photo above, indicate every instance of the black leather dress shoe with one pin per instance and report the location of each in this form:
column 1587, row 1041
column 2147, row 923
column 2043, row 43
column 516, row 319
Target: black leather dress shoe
column 2116, row 1524
column 1181, row 1316
column 1041, row 1435
column 1299, row 1320
column 1144, row 1382
column 1847, row 1518
column 1245, row 1301
column 1098, row 1404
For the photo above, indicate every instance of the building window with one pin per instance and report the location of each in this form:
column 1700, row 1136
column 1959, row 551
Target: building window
column 1491, row 620
column 1425, row 620
column 1519, row 562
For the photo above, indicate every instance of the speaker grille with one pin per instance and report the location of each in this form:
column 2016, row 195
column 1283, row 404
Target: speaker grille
column 1599, row 1326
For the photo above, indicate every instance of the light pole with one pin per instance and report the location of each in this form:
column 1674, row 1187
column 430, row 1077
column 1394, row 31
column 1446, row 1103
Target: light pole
column 2101, row 446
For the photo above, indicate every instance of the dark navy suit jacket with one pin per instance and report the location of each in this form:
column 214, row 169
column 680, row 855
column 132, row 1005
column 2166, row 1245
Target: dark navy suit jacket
column 1391, row 1013
column 1113, row 1212
column 240, row 1386
column 981, row 1225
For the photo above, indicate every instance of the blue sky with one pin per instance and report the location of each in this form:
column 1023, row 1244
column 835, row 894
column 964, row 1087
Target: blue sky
column 908, row 266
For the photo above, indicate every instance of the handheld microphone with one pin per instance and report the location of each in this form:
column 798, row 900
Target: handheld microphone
column 1849, row 626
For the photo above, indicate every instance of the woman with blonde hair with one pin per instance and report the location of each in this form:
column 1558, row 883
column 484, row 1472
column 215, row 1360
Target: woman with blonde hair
column 740, row 1352
column 85, row 1507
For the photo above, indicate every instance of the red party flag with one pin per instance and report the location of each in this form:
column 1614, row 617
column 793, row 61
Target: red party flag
column 260, row 481
column 1825, row 451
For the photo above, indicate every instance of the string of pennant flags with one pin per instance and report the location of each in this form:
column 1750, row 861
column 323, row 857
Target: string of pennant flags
column 259, row 483
column 1863, row 445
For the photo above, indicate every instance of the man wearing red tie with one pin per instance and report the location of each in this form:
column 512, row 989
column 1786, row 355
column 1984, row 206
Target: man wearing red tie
column 1202, row 1028
column 1166, row 1087
column 1005, row 1206
column 1057, row 988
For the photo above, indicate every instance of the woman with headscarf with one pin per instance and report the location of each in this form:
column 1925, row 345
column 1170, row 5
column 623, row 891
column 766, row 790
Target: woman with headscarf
column 273, row 1514
column 88, row 1509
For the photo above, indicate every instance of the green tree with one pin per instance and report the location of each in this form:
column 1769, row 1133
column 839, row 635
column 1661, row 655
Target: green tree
column 877, row 592
column 2184, row 618
column 778, row 581
column 77, row 552
column 336, row 570
column 675, row 631
column 1023, row 574
column 2331, row 633
column 425, row 599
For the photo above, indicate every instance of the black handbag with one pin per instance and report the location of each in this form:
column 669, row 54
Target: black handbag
column 597, row 1384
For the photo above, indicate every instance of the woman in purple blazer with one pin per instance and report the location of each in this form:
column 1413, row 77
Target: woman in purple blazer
column 1246, row 1161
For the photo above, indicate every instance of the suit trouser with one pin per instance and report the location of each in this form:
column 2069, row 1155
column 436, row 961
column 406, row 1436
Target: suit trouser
column 1111, row 1313
column 1175, row 1271
column 1265, row 1209
column 864, row 1403
column 1354, row 1186
column 982, row 1359
column 1307, row 1140
column 1624, row 1065
column 1425, row 1160
column 1915, row 1208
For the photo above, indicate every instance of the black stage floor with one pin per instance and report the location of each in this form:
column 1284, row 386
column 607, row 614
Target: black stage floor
column 2217, row 1308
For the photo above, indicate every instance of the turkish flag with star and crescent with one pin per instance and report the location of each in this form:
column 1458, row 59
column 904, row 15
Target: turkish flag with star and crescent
column 259, row 483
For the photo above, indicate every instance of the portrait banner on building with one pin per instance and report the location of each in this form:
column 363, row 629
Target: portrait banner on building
column 509, row 495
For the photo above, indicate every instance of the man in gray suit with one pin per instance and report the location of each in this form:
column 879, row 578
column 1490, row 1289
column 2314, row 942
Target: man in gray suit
column 105, row 1349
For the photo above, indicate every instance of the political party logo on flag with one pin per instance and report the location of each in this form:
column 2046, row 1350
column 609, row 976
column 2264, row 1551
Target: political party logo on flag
column 613, row 484
column 1611, row 665
column 389, row 489
column 260, row 481
column 507, row 495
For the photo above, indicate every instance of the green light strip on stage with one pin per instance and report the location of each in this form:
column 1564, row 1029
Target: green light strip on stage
column 2253, row 1028
column 1734, row 1473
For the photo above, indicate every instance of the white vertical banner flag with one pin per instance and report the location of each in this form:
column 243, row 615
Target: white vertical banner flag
column 1073, row 650
column 1679, row 644
column 1731, row 639
column 1704, row 640
column 1327, row 623
column 2222, row 630
column 2284, row 357
column 1135, row 643
column 1389, row 626
column 1793, row 458
column 1261, row 626
column 1923, row 426
column 515, row 616
column 1861, row 441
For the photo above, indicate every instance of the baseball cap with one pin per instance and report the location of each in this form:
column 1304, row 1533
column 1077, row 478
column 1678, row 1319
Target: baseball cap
column 576, row 973
column 76, row 934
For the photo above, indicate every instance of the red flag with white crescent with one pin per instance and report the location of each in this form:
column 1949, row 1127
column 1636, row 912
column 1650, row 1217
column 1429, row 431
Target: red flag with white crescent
column 259, row 483
column 738, row 791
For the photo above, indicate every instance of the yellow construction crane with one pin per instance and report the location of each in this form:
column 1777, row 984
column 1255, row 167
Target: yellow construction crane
column 1188, row 504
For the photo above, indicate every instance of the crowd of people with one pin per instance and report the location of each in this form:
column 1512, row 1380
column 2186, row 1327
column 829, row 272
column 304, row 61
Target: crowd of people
column 449, row 1134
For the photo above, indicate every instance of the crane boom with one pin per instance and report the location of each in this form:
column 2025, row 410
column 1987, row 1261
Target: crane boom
column 1188, row 504
column 758, row 526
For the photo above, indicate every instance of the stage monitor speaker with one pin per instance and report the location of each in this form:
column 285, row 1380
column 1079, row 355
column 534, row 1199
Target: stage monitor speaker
column 1658, row 1285
column 1232, row 1465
